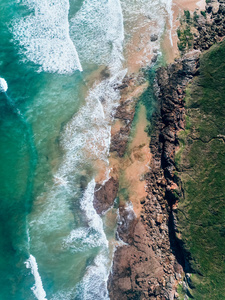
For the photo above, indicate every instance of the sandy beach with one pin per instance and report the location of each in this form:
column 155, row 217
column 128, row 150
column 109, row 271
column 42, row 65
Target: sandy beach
column 171, row 51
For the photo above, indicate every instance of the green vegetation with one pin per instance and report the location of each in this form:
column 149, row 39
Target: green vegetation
column 184, row 32
column 203, row 13
column 195, row 16
column 187, row 16
column 185, row 38
column 201, row 166
column 181, row 292
column 148, row 97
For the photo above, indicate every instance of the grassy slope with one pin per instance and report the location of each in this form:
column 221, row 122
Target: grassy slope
column 201, row 166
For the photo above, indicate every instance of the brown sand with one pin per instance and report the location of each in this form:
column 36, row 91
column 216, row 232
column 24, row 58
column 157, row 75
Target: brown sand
column 190, row 4
column 131, row 168
column 139, row 50
column 139, row 161
column 136, row 50
column 135, row 165
column 116, row 126
column 171, row 51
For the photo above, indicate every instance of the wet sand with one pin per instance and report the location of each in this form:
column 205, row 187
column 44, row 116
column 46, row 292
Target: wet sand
column 139, row 157
column 140, row 49
column 131, row 168
column 189, row 4
column 171, row 51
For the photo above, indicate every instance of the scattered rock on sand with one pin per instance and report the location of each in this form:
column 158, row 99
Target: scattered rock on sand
column 154, row 37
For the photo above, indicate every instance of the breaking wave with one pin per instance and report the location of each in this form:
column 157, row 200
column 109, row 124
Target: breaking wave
column 94, row 235
column 37, row 289
column 3, row 85
column 97, row 30
column 44, row 37
column 94, row 282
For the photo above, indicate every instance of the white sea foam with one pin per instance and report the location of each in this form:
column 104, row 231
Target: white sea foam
column 97, row 30
column 87, row 136
column 170, row 16
column 37, row 289
column 86, row 139
column 3, row 85
column 116, row 35
column 82, row 238
column 44, row 36
column 93, row 236
column 93, row 285
column 94, row 282
column 152, row 16
column 94, row 220
column 143, row 12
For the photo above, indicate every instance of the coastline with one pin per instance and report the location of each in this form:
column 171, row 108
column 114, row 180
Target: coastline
column 147, row 254
column 148, row 228
column 171, row 52
column 134, row 83
column 154, row 263
column 117, row 171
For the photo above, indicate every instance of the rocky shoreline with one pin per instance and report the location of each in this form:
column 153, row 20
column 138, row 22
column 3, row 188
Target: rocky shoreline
column 148, row 267
column 153, row 261
column 131, row 89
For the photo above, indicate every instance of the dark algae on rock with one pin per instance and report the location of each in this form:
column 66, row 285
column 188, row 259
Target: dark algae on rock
column 200, row 165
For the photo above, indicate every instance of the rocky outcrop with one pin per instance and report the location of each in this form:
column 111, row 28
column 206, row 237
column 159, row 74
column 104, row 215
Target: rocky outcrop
column 170, row 85
column 210, row 25
column 125, row 111
column 105, row 195
column 131, row 88
column 150, row 265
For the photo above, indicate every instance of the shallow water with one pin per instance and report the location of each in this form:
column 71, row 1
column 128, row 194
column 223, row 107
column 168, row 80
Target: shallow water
column 55, row 128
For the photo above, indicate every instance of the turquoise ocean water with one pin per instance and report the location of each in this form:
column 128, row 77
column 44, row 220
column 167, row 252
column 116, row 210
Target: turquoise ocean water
column 55, row 123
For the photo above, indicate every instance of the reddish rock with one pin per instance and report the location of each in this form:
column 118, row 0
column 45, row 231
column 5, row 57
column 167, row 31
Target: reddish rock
column 159, row 218
column 105, row 195
column 119, row 140
column 137, row 262
column 126, row 224
column 125, row 112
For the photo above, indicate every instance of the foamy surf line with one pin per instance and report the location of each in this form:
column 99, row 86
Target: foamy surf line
column 90, row 128
column 94, row 283
column 98, row 33
column 44, row 37
column 3, row 85
column 170, row 16
column 94, row 235
column 93, row 218
column 37, row 289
